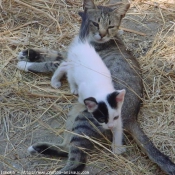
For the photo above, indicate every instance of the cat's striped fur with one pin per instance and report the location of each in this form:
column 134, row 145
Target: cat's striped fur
column 125, row 71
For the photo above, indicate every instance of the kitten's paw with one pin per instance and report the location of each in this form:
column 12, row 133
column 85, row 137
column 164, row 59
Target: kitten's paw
column 118, row 149
column 56, row 84
column 23, row 65
column 29, row 55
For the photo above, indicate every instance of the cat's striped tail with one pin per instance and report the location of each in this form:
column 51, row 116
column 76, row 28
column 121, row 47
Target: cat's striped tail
column 148, row 147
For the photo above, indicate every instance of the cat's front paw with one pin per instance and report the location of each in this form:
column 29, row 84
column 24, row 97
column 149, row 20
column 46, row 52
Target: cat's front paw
column 23, row 65
column 118, row 149
column 29, row 55
column 56, row 84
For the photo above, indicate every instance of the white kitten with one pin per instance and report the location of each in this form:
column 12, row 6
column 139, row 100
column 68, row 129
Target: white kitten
column 89, row 77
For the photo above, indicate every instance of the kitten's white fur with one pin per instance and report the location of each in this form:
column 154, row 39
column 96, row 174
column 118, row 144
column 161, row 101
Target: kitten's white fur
column 88, row 76
column 31, row 150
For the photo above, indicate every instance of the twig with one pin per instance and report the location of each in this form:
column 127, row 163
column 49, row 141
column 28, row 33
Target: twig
column 40, row 11
column 43, row 95
column 26, row 24
column 132, row 31
column 153, row 4
column 162, row 16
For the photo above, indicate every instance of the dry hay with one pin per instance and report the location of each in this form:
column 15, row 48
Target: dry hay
column 32, row 111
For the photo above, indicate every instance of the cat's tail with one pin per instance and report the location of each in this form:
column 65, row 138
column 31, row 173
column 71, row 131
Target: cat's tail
column 148, row 147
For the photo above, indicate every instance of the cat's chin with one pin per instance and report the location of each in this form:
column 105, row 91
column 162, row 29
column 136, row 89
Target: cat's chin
column 101, row 40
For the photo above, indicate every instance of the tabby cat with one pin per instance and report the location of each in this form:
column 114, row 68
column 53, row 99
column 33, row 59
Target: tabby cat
column 100, row 24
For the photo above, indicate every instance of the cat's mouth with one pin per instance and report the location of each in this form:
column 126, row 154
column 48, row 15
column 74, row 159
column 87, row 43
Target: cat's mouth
column 102, row 40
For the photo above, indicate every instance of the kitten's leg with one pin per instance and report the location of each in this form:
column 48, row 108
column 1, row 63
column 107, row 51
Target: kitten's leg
column 72, row 84
column 117, row 146
column 81, row 91
column 58, row 74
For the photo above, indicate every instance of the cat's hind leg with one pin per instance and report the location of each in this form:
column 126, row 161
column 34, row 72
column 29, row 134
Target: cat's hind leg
column 39, row 60
column 41, row 67
column 58, row 74
column 40, row 55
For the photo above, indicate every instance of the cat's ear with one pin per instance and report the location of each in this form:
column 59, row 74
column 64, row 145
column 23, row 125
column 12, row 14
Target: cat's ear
column 88, row 4
column 121, row 9
column 91, row 104
column 120, row 96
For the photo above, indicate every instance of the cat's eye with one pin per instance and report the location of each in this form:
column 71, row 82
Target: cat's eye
column 116, row 117
column 110, row 27
column 95, row 24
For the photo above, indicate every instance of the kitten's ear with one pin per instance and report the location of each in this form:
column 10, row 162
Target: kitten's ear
column 88, row 4
column 120, row 96
column 91, row 104
column 121, row 9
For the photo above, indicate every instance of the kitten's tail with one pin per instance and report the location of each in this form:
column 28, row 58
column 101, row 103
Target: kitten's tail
column 48, row 149
column 148, row 147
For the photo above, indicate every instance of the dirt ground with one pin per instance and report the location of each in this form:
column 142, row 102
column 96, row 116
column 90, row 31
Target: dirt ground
column 32, row 111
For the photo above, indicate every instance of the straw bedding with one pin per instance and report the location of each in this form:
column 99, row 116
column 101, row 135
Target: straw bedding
column 32, row 111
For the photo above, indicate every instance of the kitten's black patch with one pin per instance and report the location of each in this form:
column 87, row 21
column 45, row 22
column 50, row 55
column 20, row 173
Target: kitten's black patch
column 101, row 113
column 51, row 151
column 111, row 98
column 32, row 55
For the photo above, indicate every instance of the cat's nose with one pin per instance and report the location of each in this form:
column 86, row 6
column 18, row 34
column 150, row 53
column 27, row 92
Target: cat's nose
column 110, row 126
column 102, row 35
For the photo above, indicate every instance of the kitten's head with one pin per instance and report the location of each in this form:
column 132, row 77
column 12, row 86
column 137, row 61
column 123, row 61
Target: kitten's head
column 100, row 24
column 107, row 112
